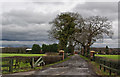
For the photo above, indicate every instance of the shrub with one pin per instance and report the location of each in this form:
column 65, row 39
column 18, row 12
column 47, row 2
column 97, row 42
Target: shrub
column 36, row 49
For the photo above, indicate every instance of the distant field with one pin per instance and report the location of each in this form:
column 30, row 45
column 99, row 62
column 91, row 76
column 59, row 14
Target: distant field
column 25, row 55
column 114, row 57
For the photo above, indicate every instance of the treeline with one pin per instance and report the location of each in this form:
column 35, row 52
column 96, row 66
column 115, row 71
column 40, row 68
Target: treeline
column 53, row 48
column 36, row 49
column 71, row 29
column 49, row 48
column 14, row 50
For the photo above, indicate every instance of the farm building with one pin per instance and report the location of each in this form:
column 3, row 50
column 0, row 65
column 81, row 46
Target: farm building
column 28, row 50
column 102, row 50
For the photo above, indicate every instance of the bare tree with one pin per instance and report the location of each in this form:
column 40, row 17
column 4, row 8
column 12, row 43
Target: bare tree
column 91, row 29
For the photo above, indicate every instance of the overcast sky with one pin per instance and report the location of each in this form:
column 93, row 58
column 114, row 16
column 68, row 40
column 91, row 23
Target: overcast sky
column 27, row 22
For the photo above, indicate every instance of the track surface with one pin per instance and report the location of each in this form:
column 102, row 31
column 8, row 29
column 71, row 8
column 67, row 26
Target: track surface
column 74, row 67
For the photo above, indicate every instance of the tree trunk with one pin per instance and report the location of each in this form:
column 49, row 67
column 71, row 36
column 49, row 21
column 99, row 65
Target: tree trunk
column 71, row 47
column 88, row 50
column 84, row 50
column 62, row 45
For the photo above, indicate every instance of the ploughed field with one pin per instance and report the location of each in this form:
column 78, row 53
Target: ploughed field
column 24, row 55
column 113, row 57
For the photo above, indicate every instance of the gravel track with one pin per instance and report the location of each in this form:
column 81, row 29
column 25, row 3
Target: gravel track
column 74, row 67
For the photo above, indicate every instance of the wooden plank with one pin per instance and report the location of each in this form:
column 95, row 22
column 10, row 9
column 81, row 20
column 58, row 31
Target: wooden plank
column 38, row 60
column 11, row 66
column 32, row 62
column 112, row 69
column 5, row 70
column 5, row 59
column 5, row 65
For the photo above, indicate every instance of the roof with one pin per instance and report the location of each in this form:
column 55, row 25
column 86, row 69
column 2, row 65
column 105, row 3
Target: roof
column 29, row 49
column 92, row 51
column 2, row 47
column 61, row 51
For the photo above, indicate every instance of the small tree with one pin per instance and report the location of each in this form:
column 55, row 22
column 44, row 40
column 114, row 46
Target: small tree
column 100, row 52
column 44, row 48
column 107, row 50
column 36, row 49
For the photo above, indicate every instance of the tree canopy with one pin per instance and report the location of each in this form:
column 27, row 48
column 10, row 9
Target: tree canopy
column 63, row 26
column 49, row 48
column 36, row 49
column 71, row 29
column 94, row 28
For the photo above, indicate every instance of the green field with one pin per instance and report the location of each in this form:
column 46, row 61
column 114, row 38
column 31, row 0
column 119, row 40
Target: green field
column 25, row 55
column 114, row 57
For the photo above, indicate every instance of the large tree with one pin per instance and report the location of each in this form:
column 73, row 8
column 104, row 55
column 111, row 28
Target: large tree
column 49, row 48
column 36, row 49
column 91, row 29
column 63, row 27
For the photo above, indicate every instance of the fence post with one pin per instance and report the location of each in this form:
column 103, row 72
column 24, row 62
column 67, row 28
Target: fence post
column 32, row 62
column 104, row 67
column 100, row 64
column 110, row 67
column 11, row 65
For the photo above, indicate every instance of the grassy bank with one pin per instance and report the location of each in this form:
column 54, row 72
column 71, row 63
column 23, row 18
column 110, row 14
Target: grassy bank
column 96, row 67
column 59, row 62
column 114, row 57
column 25, row 55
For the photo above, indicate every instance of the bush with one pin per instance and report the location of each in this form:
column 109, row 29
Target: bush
column 51, row 59
column 52, row 54
column 36, row 49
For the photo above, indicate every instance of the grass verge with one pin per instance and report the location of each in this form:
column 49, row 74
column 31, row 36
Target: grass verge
column 96, row 67
column 25, row 55
column 113, row 57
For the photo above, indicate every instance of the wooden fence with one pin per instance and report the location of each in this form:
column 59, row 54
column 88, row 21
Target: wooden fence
column 14, row 63
column 106, row 64
column 8, row 64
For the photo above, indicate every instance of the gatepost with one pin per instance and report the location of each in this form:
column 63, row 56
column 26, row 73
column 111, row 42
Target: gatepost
column 61, row 52
column 92, row 55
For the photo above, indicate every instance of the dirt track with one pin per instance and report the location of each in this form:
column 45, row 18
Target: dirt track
column 74, row 67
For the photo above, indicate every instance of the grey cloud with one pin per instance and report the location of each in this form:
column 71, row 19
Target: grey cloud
column 24, row 17
column 108, row 9
column 28, row 25
column 38, row 32
column 115, row 45
column 49, row 3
